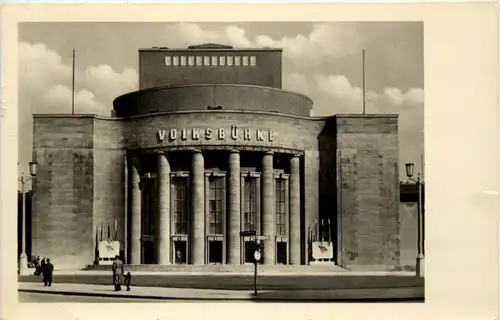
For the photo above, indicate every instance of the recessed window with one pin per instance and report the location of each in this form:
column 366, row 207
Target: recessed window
column 250, row 206
column 199, row 61
column 245, row 61
column 176, row 61
column 253, row 61
column 216, row 205
column 183, row 61
column 230, row 60
column 280, row 202
column 191, row 60
column 206, row 61
column 237, row 61
column 214, row 61
column 180, row 201
column 168, row 61
column 222, row 61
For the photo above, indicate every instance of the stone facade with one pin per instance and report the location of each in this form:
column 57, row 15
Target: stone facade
column 257, row 162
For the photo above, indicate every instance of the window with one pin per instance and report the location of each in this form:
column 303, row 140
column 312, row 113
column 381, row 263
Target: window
column 245, row 61
column 214, row 61
column 206, row 61
column 199, row 61
column 176, row 61
column 253, row 61
column 280, row 207
column 191, row 61
column 250, row 214
column 149, row 205
column 230, row 60
column 180, row 209
column 168, row 61
column 222, row 61
column 216, row 203
column 183, row 61
column 237, row 61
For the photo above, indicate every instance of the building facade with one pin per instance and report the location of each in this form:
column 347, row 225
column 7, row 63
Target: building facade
column 210, row 146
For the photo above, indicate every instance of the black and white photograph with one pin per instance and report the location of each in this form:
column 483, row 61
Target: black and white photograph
column 228, row 161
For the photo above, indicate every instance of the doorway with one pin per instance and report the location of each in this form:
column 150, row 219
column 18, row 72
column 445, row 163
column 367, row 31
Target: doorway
column 180, row 252
column 215, row 251
column 281, row 253
column 148, row 252
column 249, row 251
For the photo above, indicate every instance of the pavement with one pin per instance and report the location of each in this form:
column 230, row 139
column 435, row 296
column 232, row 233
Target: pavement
column 249, row 273
column 412, row 293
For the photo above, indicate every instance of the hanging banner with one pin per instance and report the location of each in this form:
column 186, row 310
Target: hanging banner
column 108, row 250
column 322, row 250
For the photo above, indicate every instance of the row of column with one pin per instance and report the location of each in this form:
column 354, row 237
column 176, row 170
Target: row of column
column 198, row 210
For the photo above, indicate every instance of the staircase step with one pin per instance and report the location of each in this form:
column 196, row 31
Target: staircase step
column 224, row 268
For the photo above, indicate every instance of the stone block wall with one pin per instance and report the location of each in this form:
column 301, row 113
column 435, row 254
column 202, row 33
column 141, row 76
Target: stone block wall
column 368, row 191
column 62, row 215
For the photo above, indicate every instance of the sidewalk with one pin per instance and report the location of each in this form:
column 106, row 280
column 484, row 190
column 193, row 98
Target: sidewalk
column 260, row 273
column 214, row 295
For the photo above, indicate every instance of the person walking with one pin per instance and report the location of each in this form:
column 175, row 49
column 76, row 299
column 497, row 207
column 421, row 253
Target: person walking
column 118, row 273
column 42, row 266
column 48, row 271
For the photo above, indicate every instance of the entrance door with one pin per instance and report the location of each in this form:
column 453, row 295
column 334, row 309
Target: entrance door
column 215, row 251
column 148, row 252
column 249, row 251
column 180, row 252
column 281, row 253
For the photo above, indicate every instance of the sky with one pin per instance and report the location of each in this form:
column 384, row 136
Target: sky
column 322, row 60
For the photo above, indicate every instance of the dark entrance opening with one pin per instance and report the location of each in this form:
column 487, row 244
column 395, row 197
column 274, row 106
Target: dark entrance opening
column 249, row 250
column 281, row 253
column 215, row 251
column 148, row 252
column 180, row 252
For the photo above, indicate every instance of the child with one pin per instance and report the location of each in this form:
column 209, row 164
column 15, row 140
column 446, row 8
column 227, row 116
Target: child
column 128, row 277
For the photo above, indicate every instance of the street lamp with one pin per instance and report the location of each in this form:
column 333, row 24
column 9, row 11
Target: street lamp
column 420, row 245
column 23, row 258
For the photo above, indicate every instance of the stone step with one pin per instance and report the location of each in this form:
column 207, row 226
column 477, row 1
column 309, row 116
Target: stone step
column 225, row 268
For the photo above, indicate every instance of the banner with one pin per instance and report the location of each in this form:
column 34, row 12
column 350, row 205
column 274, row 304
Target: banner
column 108, row 250
column 322, row 250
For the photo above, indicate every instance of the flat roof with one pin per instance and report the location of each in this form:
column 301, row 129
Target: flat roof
column 209, row 47
column 159, row 49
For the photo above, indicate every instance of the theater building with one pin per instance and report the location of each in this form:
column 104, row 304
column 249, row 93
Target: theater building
column 211, row 145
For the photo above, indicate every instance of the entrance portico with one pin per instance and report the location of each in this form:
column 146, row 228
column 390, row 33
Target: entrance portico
column 193, row 212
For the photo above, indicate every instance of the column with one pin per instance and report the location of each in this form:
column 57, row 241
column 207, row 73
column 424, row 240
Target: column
column 162, row 241
column 198, row 208
column 294, row 231
column 135, row 216
column 234, row 216
column 268, row 219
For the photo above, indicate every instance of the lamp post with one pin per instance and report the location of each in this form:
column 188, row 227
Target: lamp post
column 23, row 258
column 420, row 245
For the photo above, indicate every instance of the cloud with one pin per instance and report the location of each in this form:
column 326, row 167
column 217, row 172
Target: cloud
column 58, row 100
column 45, row 83
column 339, row 87
column 324, row 42
column 296, row 82
column 411, row 97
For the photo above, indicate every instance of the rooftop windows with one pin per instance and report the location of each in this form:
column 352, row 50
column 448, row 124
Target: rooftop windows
column 211, row 61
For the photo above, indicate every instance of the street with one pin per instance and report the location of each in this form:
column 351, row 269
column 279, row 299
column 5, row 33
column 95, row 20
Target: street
column 59, row 298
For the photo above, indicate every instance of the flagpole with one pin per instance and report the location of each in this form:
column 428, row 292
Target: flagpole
column 364, row 89
column 73, row 87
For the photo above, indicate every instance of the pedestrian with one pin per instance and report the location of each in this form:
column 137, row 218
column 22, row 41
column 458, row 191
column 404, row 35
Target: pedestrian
column 38, row 268
column 48, row 271
column 42, row 265
column 178, row 257
column 118, row 273
column 128, row 279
